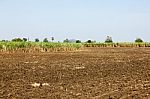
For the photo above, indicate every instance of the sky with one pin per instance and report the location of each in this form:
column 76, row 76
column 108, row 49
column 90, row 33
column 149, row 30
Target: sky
column 123, row 20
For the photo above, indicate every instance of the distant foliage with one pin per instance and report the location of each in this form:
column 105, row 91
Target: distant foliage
column 89, row 41
column 66, row 41
column 25, row 39
column 52, row 39
column 4, row 40
column 78, row 41
column 70, row 41
column 138, row 40
column 108, row 39
column 37, row 40
column 17, row 40
column 45, row 40
column 38, row 47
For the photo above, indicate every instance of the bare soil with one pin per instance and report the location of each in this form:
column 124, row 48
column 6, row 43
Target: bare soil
column 94, row 73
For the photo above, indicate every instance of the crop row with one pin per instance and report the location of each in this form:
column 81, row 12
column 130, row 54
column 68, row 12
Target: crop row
column 117, row 45
column 51, row 46
column 37, row 46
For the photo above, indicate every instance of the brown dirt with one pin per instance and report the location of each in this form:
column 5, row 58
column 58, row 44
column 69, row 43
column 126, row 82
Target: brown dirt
column 95, row 73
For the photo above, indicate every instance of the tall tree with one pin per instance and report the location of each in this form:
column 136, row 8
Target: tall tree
column 108, row 39
column 52, row 39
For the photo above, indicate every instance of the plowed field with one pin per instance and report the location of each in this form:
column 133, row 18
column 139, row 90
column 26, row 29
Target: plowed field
column 93, row 73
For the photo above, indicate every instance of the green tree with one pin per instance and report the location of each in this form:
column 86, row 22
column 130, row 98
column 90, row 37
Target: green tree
column 108, row 39
column 17, row 40
column 138, row 40
column 89, row 41
column 25, row 39
column 52, row 39
column 66, row 41
column 4, row 40
column 45, row 40
column 37, row 40
column 78, row 41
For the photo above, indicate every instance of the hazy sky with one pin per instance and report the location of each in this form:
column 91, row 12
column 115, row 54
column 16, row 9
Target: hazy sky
column 124, row 20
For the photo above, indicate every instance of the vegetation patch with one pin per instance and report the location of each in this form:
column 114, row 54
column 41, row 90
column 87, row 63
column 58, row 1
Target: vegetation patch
column 38, row 46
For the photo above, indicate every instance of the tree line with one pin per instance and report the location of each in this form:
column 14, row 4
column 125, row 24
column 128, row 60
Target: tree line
column 108, row 40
